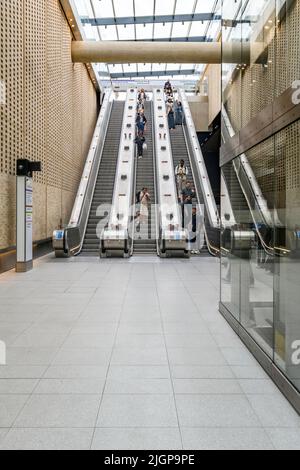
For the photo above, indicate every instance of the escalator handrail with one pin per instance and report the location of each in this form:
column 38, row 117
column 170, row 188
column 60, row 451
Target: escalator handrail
column 196, row 154
column 83, row 201
column 268, row 249
column 155, row 181
column 253, row 184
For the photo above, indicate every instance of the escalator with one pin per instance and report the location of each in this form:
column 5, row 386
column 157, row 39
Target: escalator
column 238, row 201
column 181, row 151
column 145, row 234
column 104, row 186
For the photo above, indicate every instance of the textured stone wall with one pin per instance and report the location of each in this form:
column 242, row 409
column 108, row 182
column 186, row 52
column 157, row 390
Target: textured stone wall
column 49, row 113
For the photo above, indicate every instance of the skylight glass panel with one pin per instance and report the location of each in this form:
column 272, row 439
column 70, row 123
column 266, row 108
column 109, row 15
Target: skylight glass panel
column 131, row 68
column 165, row 7
column 123, row 8
column 126, row 32
column 162, row 31
column 180, row 30
column 198, row 28
column 205, row 6
column 158, row 67
column 144, row 67
column 214, row 29
column 173, row 66
column 103, row 8
column 81, row 6
column 108, row 33
column 230, row 9
column 144, row 32
column 185, row 7
column 91, row 33
column 144, row 8
column 115, row 68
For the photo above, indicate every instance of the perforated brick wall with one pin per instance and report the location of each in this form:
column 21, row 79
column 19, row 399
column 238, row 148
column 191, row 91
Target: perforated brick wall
column 49, row 113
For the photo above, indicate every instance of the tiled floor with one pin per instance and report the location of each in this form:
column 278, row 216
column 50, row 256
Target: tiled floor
column 120, row 354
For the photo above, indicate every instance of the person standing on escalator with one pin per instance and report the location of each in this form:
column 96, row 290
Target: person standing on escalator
column 170, row 114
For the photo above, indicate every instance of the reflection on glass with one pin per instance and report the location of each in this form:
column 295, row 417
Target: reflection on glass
column 287, row 242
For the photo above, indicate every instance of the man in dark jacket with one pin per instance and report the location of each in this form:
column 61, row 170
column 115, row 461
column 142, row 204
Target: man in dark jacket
column 139, row 141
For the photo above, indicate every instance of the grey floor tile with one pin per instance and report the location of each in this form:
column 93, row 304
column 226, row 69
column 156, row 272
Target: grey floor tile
column 201, row 372
column 239, row 356
column 10, row 407
column 274, row 411
column 17, row 386
column 215, row 411
column 186, row 328
column 83, row 357
column 138, row 386
column 30, row 356
column 225, row 439
column 259, row 387
column 47, row 439
column 93, row 329
column 41, row 338
column 137, row 439
column 125, row 372
column 62, row 411
column 140, row 328
column 140, row 341
column 138, row 356
column 22, row 372
column 84, row 340
column 137, row 411
column 82, row 386
column 207, row 386
column 249, row 372
column 190, row 341
column 3, row 433
column 196, row 356
column 284, row 438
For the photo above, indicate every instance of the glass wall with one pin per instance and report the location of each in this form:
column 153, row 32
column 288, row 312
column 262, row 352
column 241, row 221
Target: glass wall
column 260, row 269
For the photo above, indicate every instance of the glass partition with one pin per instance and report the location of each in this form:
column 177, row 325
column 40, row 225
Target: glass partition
column 260, row 268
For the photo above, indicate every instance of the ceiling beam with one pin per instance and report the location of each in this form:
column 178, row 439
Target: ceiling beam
column 178, row 39
column 129, row 20
column 153, row 73
column 126, row 52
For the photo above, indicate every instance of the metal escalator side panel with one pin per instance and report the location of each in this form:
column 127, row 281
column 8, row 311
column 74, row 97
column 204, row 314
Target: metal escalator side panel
column 116, row 236
column 104, row 185
column 198, row 163
column 170, row 215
